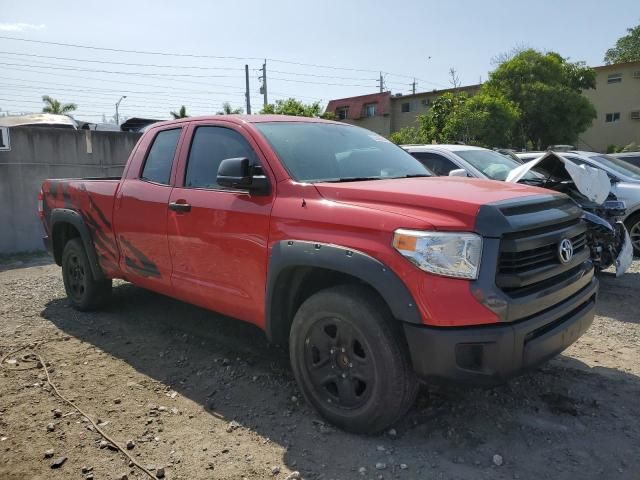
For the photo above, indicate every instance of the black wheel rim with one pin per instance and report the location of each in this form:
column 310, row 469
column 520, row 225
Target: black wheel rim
column 634, row 233
column 339, row 364
column 76, row 278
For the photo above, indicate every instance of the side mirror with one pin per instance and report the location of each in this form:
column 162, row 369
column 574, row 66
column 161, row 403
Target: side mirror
column 240, row 174
column 458, row 172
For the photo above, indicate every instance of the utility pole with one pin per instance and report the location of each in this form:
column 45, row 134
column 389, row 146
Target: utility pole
column 263, row 89
column 413, row 86
column 118, row 105
column 381, row 81
column 247, row 92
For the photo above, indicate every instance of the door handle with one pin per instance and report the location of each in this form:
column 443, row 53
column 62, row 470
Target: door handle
column 180, row 207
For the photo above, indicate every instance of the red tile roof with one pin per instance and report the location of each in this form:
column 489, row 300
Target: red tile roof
column 356, row 104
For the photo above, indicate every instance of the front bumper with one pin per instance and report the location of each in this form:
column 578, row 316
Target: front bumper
column 493, row 353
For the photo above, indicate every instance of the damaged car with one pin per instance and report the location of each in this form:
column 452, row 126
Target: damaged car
column 590, row 187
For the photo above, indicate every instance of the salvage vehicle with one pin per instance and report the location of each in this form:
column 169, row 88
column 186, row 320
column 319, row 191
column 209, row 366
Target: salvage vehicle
column 624, row 179
column 607, row 238
column 339, row 244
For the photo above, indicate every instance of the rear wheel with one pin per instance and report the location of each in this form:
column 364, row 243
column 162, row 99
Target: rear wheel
column 633, row 226
column 350, row 359
column 84, row 292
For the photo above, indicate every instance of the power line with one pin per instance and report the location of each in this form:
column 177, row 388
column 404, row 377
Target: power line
column 314, row 83
column 84, row 88
column 118, row 50
column 90, row 70
column 122, row 63
column 188, row 55
column 128, row 82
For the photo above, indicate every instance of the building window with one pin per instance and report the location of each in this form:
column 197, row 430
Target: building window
column 406, row 107
column 369, row 110
column 612, row 117
column 342, row 113
column 614, row 78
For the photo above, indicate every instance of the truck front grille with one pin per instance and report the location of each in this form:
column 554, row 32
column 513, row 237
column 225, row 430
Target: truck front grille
column 529, row 258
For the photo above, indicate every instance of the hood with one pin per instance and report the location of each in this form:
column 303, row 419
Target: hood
column 446, row 203
column 591, row 182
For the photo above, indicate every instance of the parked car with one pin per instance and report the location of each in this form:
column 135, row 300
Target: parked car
column 630, row 157
column 335, row 241
column 625, row 184
column 607, row 234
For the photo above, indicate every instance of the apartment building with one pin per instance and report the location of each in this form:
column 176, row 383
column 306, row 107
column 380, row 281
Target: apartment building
column 616, row 98
column 617, row 101
column 385, row 113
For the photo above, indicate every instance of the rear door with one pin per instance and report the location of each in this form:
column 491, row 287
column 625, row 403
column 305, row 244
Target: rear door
column 141, row 208
column 218, row 237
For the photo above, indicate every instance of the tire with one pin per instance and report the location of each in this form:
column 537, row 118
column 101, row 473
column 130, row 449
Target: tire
column 633, row 226
column 83, row 291
column 350, row 359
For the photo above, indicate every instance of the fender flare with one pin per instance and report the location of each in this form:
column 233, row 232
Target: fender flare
column 288, row 254
column 72, row 217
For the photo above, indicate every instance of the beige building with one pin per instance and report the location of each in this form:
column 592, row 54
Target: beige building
column 616, row 98
column 617, row 101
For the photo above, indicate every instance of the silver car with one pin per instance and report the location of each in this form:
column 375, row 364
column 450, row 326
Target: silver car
column 625, row 183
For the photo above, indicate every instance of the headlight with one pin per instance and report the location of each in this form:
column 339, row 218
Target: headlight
column 450, row 254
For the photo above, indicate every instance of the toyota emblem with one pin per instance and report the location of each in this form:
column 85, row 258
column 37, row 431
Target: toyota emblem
column 565, row 250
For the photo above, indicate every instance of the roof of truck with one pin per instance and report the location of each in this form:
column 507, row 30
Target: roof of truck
column 250, row 119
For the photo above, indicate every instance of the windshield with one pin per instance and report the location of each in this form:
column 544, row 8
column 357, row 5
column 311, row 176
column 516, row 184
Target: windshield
column 491, row 164
column 326, row 152
column 618, row 165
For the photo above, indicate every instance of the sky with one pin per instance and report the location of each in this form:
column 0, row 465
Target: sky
column 193, row 53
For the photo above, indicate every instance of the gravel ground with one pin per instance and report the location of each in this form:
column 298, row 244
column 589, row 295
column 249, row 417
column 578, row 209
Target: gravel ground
column 204, row 397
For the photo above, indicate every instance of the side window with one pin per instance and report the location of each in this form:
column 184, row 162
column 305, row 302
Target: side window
column 157, row 167
column 438, row 164
column 211, row 145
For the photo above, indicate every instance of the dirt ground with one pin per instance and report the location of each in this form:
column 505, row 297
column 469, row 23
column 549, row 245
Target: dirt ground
column 172, row 378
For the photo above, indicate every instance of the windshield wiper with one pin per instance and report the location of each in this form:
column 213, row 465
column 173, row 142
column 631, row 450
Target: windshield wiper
column 415, row 175
column 353, row 179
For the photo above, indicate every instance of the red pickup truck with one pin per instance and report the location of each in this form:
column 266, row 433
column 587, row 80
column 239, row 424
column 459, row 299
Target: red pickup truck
column 339, row 244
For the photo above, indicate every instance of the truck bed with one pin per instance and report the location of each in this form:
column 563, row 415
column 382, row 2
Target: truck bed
column 92, row 199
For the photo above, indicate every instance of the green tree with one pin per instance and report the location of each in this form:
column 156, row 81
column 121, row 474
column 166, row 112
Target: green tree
column 182, row 113
column 408, row 135
column 54, row 106
column 291, row 106
column 547, row 91
column 484, row 119
column 227, row 109
column 627, row 48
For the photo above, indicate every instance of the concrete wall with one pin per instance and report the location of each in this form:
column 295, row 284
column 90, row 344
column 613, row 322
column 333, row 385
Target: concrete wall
column 40, row 153
column 622, row 98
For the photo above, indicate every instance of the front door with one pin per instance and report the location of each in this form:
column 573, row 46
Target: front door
column 218, row 237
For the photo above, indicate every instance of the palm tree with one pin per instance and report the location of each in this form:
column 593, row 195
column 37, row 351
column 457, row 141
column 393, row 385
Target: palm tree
column 227, row 109
column 182, row 113
column 54, row 106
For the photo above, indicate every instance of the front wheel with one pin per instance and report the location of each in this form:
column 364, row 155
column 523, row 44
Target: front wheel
column 350, row 359
column 84, row 292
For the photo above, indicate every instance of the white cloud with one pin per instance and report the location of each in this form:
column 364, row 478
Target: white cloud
column 20, row 27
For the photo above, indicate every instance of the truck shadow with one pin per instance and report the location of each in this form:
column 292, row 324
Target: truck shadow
column 228, row 368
